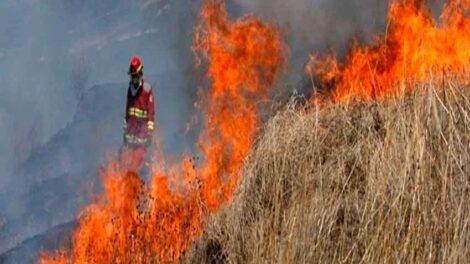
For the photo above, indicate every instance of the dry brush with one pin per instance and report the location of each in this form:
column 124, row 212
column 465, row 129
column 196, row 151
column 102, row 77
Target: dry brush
column 365, row 182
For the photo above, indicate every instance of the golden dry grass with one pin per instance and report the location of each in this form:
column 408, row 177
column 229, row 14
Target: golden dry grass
column 363, row 183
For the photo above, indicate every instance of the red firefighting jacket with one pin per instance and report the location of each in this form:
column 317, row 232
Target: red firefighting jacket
column 140, row 116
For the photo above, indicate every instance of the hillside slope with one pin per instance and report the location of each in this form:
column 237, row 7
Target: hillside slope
column 369, row 182
column 48, row 188
column 27, row 251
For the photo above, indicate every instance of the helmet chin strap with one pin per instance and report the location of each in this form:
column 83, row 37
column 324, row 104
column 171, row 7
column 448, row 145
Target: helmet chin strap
column 136, row 83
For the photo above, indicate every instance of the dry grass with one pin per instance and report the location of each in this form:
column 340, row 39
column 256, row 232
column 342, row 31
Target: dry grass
column 369, row 182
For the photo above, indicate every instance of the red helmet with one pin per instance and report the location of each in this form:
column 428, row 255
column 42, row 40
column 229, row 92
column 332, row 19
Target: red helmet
column 135, row 66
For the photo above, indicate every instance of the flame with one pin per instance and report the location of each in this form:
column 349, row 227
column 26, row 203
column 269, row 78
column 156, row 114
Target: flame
column 416, row 49
column 130, row 223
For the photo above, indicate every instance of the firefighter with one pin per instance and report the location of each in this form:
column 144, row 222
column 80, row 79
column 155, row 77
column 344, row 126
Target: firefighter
column 139, row 118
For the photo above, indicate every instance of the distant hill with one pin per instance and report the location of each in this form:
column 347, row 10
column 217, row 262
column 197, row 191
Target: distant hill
column 48, row 188
column 27, row 251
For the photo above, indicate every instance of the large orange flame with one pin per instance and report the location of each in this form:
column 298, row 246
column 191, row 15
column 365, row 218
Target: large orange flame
column 244, row 57
column 415, row 49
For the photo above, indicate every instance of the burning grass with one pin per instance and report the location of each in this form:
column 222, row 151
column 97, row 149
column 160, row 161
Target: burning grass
column 414, row 48
column 367, row 182
column 244, row 58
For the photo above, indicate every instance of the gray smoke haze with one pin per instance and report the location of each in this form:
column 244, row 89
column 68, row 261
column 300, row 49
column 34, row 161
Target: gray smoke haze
column 51, row 49
column 322, row 26
column 53, row 54
column 57, row 53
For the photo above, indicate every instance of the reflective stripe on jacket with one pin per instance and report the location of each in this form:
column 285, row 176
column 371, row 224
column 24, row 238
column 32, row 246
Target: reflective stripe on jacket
column 140, row 115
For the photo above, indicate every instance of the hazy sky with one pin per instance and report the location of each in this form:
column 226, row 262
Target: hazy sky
column 43, row 41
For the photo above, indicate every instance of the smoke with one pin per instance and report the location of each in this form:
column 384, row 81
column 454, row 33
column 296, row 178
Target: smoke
column 44, row 42
column 51, row 53
column 320, row 26
column 323, row 24
column 41, row 43
column 24, row 53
